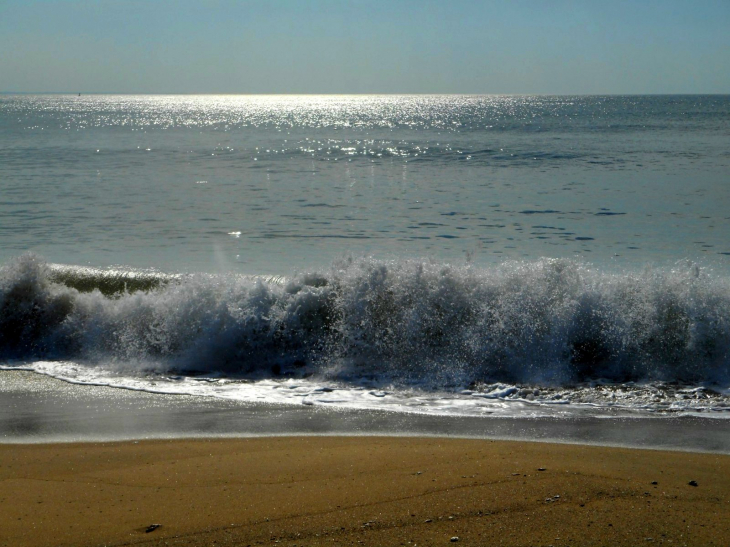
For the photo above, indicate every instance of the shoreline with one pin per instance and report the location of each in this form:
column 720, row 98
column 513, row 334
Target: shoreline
column 36, row 409
column 215, row 472
column 358, row 491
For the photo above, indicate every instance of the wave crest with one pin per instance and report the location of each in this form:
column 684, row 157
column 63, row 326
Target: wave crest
column 413, row 322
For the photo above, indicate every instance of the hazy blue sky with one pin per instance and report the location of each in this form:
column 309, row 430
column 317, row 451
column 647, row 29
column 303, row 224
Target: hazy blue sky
column 376, row 46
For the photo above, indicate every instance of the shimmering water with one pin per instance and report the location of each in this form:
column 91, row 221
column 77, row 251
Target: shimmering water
column 271, row 184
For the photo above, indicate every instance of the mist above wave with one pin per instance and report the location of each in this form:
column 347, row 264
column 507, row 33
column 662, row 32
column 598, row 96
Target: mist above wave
column 411, row 322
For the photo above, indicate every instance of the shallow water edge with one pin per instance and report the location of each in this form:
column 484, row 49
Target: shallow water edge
column 35, row 408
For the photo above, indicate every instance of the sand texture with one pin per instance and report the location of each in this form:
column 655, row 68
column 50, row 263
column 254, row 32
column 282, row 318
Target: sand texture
column 359, row 491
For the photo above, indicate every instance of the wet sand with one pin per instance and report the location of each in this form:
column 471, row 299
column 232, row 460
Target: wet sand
column 39, row 409
column 359, row 491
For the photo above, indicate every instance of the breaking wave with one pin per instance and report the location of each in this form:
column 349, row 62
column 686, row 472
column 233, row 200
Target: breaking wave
column 550, row 322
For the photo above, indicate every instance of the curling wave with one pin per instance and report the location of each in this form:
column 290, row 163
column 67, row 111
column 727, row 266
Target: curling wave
column 412, row 322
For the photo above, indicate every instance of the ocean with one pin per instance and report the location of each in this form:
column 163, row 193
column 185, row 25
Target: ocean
column 513, row 256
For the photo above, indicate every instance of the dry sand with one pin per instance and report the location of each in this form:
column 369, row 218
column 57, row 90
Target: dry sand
column 359, row 491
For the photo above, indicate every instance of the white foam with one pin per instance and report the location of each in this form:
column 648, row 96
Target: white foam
column 496, row 400
column 409, row 335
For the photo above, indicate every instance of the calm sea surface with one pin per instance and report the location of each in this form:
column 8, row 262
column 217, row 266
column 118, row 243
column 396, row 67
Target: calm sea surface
column 457, row 254
column 272, row 184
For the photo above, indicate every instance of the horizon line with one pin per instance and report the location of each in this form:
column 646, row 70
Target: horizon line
column 77, row 93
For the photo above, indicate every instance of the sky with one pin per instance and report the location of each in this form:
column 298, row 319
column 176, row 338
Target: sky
column 376, row 46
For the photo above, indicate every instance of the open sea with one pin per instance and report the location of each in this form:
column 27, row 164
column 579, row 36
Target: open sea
column 458, row 255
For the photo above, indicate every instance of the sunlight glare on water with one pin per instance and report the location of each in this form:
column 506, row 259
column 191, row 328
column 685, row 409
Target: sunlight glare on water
column 165, row 180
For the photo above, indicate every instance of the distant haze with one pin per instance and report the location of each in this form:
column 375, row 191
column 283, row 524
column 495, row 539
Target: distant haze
column 338, row 46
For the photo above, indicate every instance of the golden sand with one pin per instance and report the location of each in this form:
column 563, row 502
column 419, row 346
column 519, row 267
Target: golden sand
column 359, row 491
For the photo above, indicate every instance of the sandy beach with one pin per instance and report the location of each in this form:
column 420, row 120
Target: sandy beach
column 359, row 491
